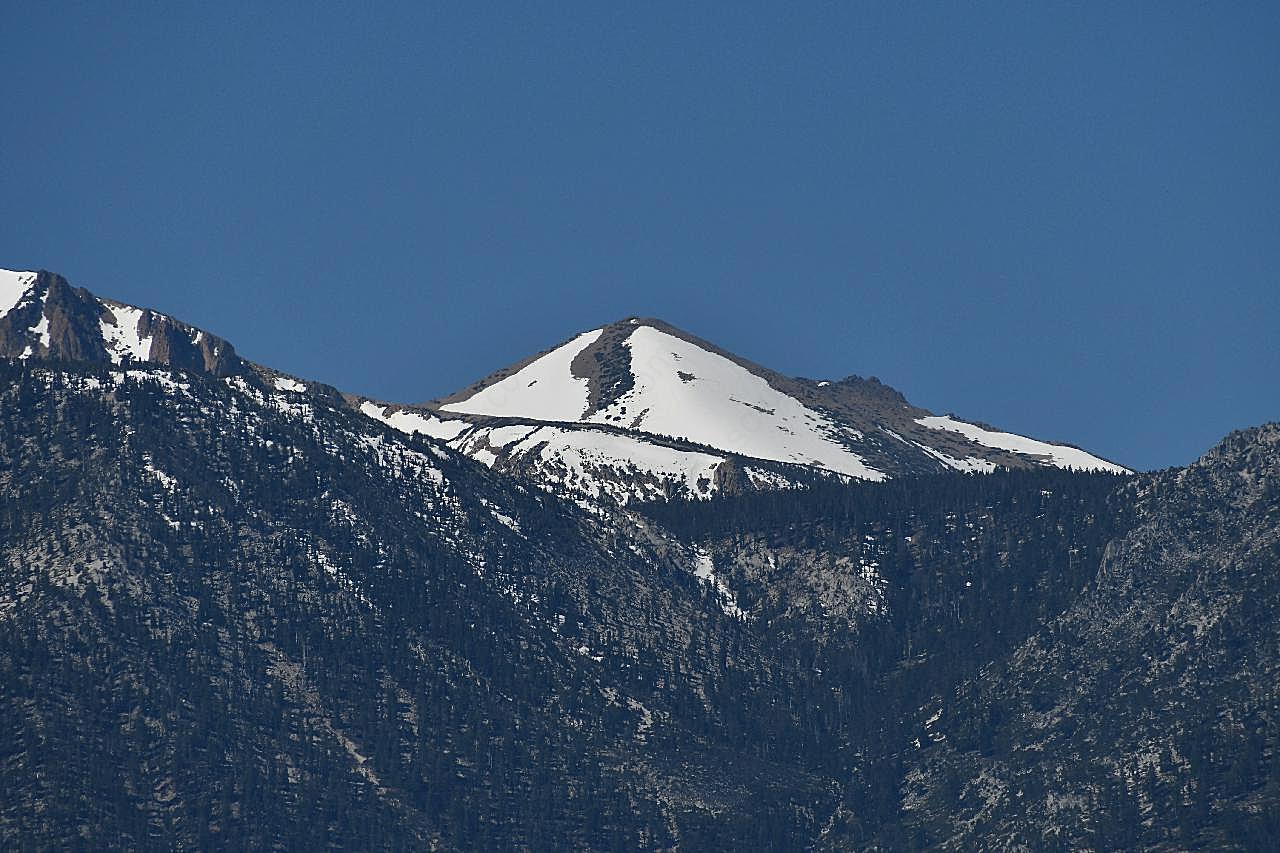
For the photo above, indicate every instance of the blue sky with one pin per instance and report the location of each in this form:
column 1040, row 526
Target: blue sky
column 1063, row 219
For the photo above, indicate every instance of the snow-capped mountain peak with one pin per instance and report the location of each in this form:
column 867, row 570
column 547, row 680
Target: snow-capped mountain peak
column 670, row 386
column 672, row 392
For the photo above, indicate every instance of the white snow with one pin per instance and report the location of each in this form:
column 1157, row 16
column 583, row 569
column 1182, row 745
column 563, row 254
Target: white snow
column 761, row 478
column 586, row 461
column 544, row 390
column 15, row 290
column 165, row 480
column 42, row 329
column 724, row 406
column 1057, row 455
column 122, row 338
column 506, row 519
column 590, row 461
column 412, row 422
column 705, row 567
column 502, row 436
column 501, row 516
column 969, row 463
column 680, row 390
column 13, row 286
column 705, row 570
column 579, row 449
column 395, row 457
column 284, row 383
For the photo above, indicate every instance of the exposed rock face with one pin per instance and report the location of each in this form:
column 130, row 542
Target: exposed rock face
column 174, row 345
column 57, row 321
column 606, row 365
column 54, row 320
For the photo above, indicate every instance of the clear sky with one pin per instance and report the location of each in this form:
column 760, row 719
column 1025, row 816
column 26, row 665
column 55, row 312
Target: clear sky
column 1060, row 218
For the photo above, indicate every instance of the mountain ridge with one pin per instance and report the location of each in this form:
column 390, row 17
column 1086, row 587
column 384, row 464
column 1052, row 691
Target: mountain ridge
column 637, row 409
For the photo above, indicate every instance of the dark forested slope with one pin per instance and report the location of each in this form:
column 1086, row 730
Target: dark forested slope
column 1146, row 715
column 237, row 615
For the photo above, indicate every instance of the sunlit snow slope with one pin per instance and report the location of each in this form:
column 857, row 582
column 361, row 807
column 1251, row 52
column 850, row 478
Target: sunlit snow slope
column 657, row 384
column 545, row 390
column 680, row 390
column 1058, row 455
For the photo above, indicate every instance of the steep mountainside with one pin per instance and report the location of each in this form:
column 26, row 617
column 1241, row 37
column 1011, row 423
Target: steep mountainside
column 1056, row 663
column 243, row 610
column 897, row 592
column 1145, row 716
column 231, row 615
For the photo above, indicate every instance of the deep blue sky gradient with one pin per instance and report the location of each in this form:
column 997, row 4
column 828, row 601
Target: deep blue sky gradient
column 1063, row 219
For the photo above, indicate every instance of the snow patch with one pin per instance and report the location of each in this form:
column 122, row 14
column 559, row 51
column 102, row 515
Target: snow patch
column 122, row 337
column 166, row 480
column 705, row 570
column 1057, row 455
column 762, row 479
column 502, row 436
column 501, row 516
column 544, row 390
column 14, row 284
column 728, row 407
column 599, row 463
column 284, row 383
column 969, row 463
column 895, row 435
column 415, row 422
column 42, row 329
